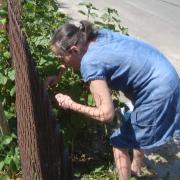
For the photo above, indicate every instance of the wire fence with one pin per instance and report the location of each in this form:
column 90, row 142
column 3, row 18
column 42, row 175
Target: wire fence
column 40, row 143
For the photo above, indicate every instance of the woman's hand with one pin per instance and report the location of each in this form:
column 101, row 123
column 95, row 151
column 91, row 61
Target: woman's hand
column 53, row 80
column 64, row 101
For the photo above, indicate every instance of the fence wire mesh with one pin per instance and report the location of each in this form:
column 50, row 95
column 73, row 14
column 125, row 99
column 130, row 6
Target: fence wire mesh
column 40, row 143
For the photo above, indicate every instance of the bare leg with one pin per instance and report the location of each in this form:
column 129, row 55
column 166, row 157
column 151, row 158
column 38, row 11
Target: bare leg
column 138, row 156
column 123, row 163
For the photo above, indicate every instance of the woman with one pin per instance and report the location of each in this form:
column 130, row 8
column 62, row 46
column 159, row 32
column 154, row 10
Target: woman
column 110, row 60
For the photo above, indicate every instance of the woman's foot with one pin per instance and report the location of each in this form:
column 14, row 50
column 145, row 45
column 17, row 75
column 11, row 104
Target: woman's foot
column 138, row 156
column 136, row 169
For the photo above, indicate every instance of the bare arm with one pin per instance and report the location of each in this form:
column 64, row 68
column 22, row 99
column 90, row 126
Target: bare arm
column 104, row 110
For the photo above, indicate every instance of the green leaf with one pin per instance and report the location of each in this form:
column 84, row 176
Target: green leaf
column 133, row 178
column 7, row 160
column 4, row 177
column 99, row 23
column 13, row 91
column 3, row 13
column 97, row 170
column 94, row 8
column 41, row 40
column 9, row 115
column 1, row 165
column 3, row 79
column 3, row 21
column 12, row 165
column 42, row 61
column 82, row 12
column 7, row 54
column 91, row 101
column 16, row 161
column 93, row 15
column 11, row 75
column 7, row 140
column 82, row 4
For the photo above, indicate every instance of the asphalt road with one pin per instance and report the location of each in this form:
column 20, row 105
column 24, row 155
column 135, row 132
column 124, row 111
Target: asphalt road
column 154, row 21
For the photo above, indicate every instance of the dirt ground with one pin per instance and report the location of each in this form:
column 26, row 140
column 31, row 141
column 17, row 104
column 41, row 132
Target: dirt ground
column 164, row 162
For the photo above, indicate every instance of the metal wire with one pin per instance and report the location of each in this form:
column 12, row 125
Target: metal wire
column 40, row 143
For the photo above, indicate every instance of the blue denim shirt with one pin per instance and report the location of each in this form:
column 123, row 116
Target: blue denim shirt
column 129, row 65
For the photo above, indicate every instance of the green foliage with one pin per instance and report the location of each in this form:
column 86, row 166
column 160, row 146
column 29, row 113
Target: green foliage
column 39, row 20
column 7, row 74
column 91, row 9
column 102, row 173
column 9, row 155
column 106, row 18
column 4, row 177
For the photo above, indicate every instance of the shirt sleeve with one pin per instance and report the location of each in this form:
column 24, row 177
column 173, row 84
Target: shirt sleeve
column 92, row 69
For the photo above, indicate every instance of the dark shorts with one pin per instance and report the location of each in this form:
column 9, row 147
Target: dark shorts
column 150, row 125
